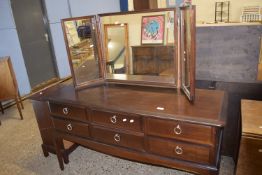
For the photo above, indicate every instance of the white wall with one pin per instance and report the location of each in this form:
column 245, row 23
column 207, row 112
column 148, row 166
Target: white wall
column 75, row 8
column 10, row 46
column 206, row 9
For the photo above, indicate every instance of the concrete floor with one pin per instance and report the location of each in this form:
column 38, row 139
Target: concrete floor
column 20, row 153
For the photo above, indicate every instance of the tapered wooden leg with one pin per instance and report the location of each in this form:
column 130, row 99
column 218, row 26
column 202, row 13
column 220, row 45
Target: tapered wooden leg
column 19, row 108
column 20, row 100
column 2, row 109
column 46, row 154
column 59, row 154
column 66, row 158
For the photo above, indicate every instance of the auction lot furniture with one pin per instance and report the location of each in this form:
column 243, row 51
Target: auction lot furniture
column 8, row 85
column 250, row 152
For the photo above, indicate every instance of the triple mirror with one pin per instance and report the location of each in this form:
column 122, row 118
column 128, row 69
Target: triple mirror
column 146, row 48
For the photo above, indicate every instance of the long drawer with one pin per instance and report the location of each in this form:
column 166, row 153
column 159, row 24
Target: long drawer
column 133, row 141
column 117, row 120
column 71, row 127
column 68, row 111
column 180, row 150
column 180, row 130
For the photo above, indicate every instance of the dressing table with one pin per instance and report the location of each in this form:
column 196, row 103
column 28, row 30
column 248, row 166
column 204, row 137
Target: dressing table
column 155, row 119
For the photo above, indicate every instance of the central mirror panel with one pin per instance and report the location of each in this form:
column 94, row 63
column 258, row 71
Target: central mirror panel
column 140, row 47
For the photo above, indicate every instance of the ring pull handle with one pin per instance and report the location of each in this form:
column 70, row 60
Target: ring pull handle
column 117, row 137
column 179, row 150
column 178, row 130
column 69, row 127
column 113, row 119
column 65, row 111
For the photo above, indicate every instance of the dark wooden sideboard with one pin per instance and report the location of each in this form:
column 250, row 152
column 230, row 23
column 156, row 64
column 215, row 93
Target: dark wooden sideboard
column 250, row 151
column 152, row 60
column 150, row 125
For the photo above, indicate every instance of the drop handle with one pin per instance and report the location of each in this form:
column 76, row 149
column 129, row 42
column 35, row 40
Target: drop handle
column 179, row 150
column 113, row 119
column 69, row 127
column 117, row 138
column 65, row 111
column 178, row 130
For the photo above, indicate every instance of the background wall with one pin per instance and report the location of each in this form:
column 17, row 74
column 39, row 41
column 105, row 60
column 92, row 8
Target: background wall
column 206, row 9
column 72, row 8
column 10, row 46
column 56, row 10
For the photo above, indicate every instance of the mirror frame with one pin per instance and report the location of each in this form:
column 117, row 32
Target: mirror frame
column 190, row 93
column 97, row 51
column 144, row 80
column 125, row 26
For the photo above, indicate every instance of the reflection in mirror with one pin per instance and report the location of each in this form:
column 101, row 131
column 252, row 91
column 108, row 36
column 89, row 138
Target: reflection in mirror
column 140, row 45
column 188, row 50
column 81, row 46
column 116, row 45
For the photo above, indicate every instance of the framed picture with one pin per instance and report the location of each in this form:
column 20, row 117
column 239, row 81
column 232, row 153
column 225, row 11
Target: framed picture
column 172, row 3
column 152, row 29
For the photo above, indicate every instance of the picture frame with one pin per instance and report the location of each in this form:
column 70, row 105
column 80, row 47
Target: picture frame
column 152, row 29
column 171, row 3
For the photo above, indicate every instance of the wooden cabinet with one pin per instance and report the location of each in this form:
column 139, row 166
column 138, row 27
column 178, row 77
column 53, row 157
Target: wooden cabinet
column 153, row 60
column 115, row 120
column 250, row 151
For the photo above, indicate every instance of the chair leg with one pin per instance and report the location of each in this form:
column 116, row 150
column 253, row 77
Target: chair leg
column 19, row 108
column 20, row 100
column 2, row 109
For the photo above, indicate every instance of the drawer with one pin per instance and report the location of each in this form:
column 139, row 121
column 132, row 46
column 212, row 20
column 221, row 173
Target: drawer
column 179, row 150
column 68, row 111
column 250, row 156
column 116, row 120
column 130, row 140
column 76, row 128
column 180, row 130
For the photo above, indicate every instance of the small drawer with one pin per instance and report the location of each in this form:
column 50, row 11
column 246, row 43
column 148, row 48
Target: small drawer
column 76, row 128
column 180, row 130
column 179, row 150
column 130, row 140
column 68, row 111
column 116, row 120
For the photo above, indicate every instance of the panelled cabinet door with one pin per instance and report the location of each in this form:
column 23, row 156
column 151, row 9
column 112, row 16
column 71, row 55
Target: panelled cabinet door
column 188, row 50
column 81, row 40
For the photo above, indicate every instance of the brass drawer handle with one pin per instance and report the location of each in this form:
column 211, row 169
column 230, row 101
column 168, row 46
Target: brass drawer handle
column 260, row 150
column 179, row 150
column 117, row 137
column 178, row 130
column 65, row 111
column 113, row 119
column 69, row 127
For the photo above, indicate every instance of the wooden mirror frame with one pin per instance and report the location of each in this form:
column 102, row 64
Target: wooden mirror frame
column 190, row 93
column 143, row 80
column 97, row 52
column 125, row 26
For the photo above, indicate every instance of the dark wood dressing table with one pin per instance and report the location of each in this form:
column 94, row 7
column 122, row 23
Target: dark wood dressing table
column 150, row 125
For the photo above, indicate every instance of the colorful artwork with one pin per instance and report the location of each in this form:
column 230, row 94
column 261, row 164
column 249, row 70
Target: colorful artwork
column 153, row 29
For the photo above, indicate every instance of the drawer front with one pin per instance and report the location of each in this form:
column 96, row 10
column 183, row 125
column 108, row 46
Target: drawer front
column 180, row 130
column 116, row 120
column 114, row 137
column 250, row 156
column 76, row 128
column 68, row 111
column 179, row 150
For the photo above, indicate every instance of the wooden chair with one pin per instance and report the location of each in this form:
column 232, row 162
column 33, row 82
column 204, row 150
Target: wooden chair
column 8, row 85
